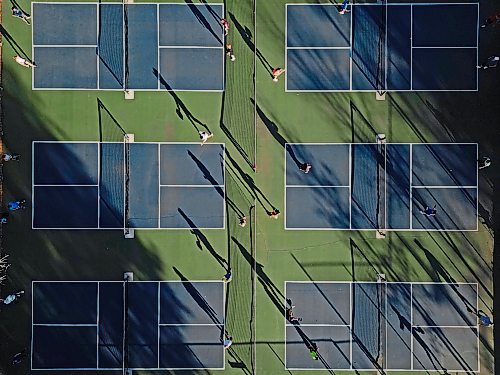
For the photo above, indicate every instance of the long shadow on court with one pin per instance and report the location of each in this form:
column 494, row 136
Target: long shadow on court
column 202, row 240
column 181, row 109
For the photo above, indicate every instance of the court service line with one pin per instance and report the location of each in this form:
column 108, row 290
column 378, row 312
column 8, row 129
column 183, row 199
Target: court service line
column 445, row 47
column 318, row 48
column 444, row 187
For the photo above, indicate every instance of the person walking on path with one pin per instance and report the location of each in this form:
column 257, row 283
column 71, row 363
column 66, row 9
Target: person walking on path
column 276, row 72
column 225, row 26
column 18, row 357
column 484, row 163
column 342, row 8
column 204, row 136
column 305, row 167
column 274, row 214
column 491, row 62
column 228, row 276
column 429, row 211
column 17, row 205
column 243, row 221
column 9, row 157
column 24, row 62
column 229, row 52
column 228, row 341
column 12, row 297
column 18, row 13
column 491, row 20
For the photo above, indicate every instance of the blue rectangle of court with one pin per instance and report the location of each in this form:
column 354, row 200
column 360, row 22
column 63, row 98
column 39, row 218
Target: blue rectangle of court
column 383, row 326
column 382, row 47
column 107, row 325
column 105, row 185
column 370, row 186
column 116, row 46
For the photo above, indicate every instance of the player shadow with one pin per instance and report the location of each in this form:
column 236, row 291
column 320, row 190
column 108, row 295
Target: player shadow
column 210, row 9
column 270, row 125
column 232, row 205
column 181, row 109
column 199, row 299
column 16, row 4
column 202, row 241
column 439, row 273
column 206, row 174
column 12, row 42
column 246, row 34
column 270, row 288
column 249, row 182
column 201, row 18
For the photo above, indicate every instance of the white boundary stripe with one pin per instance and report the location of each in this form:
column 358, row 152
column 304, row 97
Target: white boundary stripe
column 68, row 185
column 448, row 47
column 285, row 330
column 65, row 324
column 65, row 46
column 410, row 187
column 158, row 227
column 98, row 60
column 97, row 4
column 97, row 324
column 410, row 5
column 411, row 190
column 411, row 283
column 190, row 47
column 32, row 302
column 350, row 325
column 444, row 187
column 318, row 186
column 158, row 79
column 98, row 282
column 99, row 171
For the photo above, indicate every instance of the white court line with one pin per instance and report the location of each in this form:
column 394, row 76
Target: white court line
column 32, row 298
column 65, row 46
column 191, row 324
column 477, row 189
column 67, row 185
column 477, row 50
column 411, row 324
column 190, row 47
column 318, row 48
column 460, row 327
column 411, row 190
column 317, row 186
column 350, row 325
column 411, row 54
column 158, row 79
column 192, row 186
column 65, row 324
column 350, row 51
column 97, row 330
column 123, row 47
column 98, row 12
column 316, row 325
column 99, row 171
column 285, row 320
column 286, row 51
column 449, row 47
column 159, row 186
column 350, row 183
column 444, row 187
column 158, row 322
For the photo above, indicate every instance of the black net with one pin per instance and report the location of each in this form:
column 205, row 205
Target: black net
column 125, row 43
column 114, row 171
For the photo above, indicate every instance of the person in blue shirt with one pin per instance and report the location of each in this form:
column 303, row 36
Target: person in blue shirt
column 342, row 8
column 17, row 205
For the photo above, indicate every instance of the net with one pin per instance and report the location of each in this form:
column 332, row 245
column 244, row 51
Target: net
column 114, row 171
column 125, row 44
column 368, row 317
column 382, row 323
column 369, row 42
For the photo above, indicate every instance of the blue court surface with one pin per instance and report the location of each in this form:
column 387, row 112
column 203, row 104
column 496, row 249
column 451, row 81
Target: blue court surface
column 116, row 46
column 93, row 185
column 107, row 325
column 383, row 326
column 382, row 47
column 370, row 186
